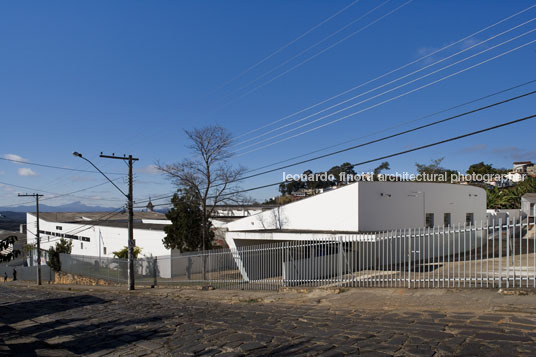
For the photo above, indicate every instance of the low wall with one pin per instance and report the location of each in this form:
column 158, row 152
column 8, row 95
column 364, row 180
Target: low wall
column 28, row 273
column 73, row 279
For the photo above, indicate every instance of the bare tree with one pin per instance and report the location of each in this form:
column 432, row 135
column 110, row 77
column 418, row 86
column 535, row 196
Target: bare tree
column 207, row 173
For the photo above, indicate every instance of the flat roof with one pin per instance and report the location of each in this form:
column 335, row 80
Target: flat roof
column 107, row 219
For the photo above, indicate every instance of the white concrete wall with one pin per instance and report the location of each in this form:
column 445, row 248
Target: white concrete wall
column 397, row 205
column 113, row 238
column 333, row 210
column 372, row 206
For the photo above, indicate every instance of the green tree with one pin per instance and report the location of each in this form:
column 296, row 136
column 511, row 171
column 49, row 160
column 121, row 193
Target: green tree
column 185, row 231
column 63, row 246
column 510, row 198
column 4, row 245
column 434, row 171
column 481, row 168
column 383, row 166
column 123, row 253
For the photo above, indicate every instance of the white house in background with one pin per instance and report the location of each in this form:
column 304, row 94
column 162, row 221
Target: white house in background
column 362, row 207
column 99, row 234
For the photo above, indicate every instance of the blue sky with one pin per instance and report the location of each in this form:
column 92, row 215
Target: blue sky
column 129, row 76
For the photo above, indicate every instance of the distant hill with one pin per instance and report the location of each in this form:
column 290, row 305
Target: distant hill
column 69, row 207
column 11, row 221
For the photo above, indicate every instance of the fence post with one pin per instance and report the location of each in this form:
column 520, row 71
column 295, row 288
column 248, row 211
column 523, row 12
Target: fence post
column 500, row 252
column 340, row 262
column 155, row 265
column 507, row 251
column 409, row 259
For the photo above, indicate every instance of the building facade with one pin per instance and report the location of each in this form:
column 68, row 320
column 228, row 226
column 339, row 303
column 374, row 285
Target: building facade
column 363, row 207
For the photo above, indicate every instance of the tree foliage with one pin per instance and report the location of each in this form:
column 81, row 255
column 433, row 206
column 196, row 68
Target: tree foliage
column 324, row 179
column 434, row 171
column 63, row 246
column 123, row 253
column 383, row 166
column 510, row 198
column 4, row 245
column 185, row 231
column 481, row 168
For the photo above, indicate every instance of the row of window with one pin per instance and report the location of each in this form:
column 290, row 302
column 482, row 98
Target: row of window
column 63, row 235
column 469, row 219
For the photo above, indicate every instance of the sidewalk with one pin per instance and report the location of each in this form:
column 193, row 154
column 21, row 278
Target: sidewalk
column 372, row 299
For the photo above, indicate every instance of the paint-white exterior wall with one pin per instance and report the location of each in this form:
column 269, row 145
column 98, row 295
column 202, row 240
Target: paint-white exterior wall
column 333, row 210
column 100, row 237
column 370, row 206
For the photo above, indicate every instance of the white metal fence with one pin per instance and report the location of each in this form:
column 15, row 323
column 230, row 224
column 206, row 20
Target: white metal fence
column 494, row 254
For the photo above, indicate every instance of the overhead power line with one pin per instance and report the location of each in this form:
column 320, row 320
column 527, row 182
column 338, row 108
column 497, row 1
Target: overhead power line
column 385, row 101
column 289, row 43
column 321, row 52
column 390, row 72
column 396, row 126
column 56, row 167
column 494, row 127
column 231, row 93
column 386, row 84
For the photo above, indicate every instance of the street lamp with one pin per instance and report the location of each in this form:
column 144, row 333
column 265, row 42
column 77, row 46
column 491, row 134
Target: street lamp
column 77, row 154
column 129, row 197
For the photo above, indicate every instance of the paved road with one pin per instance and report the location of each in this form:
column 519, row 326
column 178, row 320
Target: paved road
column 61, row 323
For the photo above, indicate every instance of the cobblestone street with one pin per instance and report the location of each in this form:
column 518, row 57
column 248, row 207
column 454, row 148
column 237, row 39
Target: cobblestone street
column 60, row 323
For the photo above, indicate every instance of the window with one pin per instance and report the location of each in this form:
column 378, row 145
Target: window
column 81, row 245
column 429, row 220
column 469, row 219
column 58, row 228
column 446, row 219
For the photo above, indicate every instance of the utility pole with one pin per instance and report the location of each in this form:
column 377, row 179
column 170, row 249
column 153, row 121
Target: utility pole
column 130, row 216
column 38, row 237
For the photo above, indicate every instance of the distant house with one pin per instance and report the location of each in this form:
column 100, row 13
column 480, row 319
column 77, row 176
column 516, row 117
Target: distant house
column 523, row 166
column 528, row 204
column 526, row 168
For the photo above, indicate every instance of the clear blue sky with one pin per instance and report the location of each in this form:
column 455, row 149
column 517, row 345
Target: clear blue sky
column 129, row 76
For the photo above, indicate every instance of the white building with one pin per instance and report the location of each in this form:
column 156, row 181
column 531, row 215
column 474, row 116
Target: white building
column 98, row 233
column 363, row 207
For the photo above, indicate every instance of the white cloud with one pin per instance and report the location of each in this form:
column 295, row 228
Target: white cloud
column 24, row 171
column 14, row 157
column 149, row 169
column 2, row 172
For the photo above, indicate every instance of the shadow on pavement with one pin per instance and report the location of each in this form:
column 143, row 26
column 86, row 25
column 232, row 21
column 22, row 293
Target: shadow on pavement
column 31, row 328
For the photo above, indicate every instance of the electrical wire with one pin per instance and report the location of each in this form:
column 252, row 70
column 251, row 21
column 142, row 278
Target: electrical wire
column 318, row 53
column 387, row 100
column 386, row 84
column 392, row 71
column 231, row 93
column 56, row 167
column 391, row 155
column 288, row 44
column 396, row 126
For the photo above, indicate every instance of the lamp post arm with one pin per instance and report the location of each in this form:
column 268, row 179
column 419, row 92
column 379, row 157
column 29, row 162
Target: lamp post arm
column 103, row 174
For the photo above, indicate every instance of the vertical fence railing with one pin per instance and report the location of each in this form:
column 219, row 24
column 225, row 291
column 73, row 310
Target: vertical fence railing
column 491, row 254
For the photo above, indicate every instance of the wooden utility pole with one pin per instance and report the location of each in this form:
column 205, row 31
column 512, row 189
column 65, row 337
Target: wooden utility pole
column 38, row 237
column 129, row 196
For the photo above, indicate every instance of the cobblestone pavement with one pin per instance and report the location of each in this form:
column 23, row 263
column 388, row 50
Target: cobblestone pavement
column 61, row 323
